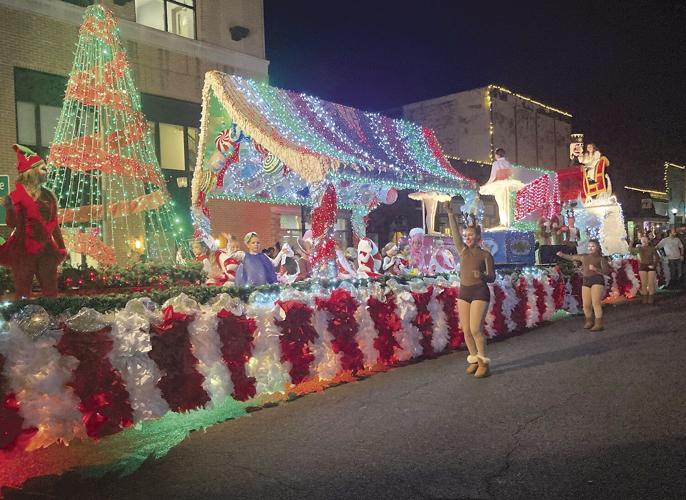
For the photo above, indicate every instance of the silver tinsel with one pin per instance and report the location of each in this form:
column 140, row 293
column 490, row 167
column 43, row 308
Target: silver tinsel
column 87, row 320
column 33, row 320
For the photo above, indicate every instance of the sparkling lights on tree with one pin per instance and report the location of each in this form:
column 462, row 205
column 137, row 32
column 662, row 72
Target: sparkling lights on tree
column 114, row 204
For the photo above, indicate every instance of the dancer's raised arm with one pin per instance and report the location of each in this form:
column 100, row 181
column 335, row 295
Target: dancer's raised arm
column 456, row 231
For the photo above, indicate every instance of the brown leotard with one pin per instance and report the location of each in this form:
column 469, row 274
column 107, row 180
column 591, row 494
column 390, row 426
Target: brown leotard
column 600, row 263
column 472, row 259
column 648, row 257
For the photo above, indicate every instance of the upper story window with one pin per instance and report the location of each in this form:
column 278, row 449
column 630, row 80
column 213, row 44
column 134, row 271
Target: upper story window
column 174, row 16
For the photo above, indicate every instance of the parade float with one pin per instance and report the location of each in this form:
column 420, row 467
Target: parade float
column 102, row 383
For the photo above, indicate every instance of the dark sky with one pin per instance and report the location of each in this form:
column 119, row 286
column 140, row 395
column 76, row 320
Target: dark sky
column 618, row 67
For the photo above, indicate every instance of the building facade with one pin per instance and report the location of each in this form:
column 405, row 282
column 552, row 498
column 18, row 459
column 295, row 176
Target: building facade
column 170, row 46
column 471, row 125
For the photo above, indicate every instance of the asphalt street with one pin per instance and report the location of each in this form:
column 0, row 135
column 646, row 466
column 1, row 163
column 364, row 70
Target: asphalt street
column 565, row 414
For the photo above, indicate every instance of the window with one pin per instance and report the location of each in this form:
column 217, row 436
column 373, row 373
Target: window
column 49, row 115
column 172, row 155
column 36, row 124
column 174, row 16
column 290, row 229
column 26, row 123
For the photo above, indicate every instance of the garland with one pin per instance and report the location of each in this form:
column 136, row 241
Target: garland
column 387, row 324
column 297, row 333
column 423, row 320
column 448, row 298
column 236, row 335
column 181, row 384
column 11, row 422
column 343, row 326
column 104, row 400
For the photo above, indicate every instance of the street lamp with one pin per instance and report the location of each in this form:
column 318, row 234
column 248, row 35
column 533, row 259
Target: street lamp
column 674, row 211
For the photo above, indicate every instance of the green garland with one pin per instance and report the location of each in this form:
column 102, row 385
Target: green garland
column 201, row 293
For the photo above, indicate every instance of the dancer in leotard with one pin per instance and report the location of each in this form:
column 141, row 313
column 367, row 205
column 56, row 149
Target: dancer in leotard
column 476, row 270
column 595, row 266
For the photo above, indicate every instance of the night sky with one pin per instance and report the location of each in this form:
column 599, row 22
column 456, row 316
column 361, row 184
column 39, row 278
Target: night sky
column 618, row 67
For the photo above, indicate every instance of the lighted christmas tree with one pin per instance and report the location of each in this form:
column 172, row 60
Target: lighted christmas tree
column 114, row 204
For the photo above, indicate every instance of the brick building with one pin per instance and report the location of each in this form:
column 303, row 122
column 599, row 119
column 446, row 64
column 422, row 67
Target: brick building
column 170, row 45
column 470, row 125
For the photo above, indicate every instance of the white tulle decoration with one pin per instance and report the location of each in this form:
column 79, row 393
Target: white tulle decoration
column 509, row 302
column 265, row 364
column 206, row 347
column 409, row 336
column 327, row 364
column 38, row 375
column 366, row 332
column 129, row 355
column 440, row 336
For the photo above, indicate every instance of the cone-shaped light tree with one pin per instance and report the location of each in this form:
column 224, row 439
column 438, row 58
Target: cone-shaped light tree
column 114, row 204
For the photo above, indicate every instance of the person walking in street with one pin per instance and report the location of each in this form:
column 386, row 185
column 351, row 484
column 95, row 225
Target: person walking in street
column 594, row 268
column 476, row 270
column 649, row 260
column 674, row 251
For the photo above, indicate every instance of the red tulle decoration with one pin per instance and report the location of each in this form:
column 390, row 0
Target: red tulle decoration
column 520, row 309
column 423, row 320
column 448, row 299
column 343, row 326
column 323, row 221
column 181, row 383
column 499, row 325
column 559, row 290
column 11, row 433
column 104, row 399
column 296, row 334
column 387, row 324
column 236, row 336
column 539, row 290
column 624, row 284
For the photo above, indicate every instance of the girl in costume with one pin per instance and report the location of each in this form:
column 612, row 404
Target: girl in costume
column 476, row 270
column 649, row 260
column 256, row 268
column 345, row 270
column 35, row 247
column 231, row 259
column 442, row 260
column 391, row 263
column 595, row 267
column 287, row 269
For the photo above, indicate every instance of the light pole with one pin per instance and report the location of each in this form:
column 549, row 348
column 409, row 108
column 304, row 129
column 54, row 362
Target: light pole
column 674, row 211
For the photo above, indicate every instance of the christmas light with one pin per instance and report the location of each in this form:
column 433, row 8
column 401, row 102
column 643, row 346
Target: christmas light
column 285, row 146
column 104, row 170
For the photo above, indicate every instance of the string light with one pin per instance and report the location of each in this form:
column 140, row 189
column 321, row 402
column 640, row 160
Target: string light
column 362, row 155
column 104, row 167
column 528, row 99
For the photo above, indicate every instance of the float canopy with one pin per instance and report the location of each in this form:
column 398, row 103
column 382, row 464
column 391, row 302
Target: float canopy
column 261, row 143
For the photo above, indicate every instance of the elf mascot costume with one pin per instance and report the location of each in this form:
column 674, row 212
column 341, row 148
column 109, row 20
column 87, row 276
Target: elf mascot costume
column 35, row 247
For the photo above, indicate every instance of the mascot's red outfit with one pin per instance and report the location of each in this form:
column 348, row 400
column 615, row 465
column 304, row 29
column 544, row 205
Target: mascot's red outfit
column 35, row 247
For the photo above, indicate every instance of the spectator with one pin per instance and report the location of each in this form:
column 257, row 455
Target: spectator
column 674, row 251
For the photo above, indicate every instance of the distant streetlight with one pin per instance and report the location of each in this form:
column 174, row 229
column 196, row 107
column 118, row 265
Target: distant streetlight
column 674, row 211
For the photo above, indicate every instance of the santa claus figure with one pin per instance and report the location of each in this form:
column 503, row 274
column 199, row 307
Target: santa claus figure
column 35, row 247
column 368, row 259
